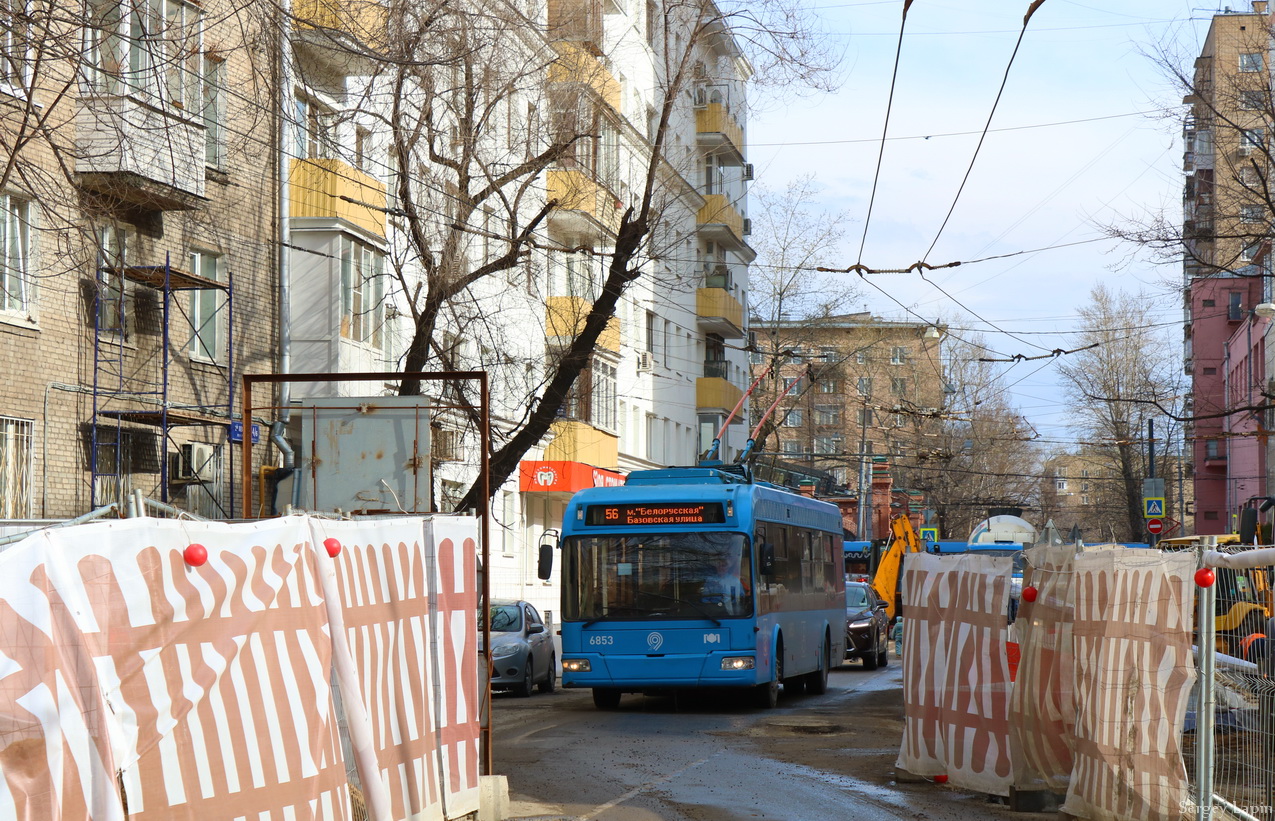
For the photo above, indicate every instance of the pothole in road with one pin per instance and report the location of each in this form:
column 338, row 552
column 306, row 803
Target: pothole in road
column 804, row 726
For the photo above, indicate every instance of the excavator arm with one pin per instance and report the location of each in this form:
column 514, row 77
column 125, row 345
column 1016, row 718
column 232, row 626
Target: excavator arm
column 903, row 539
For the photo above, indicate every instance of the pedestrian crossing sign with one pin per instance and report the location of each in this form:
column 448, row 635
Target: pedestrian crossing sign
column 1153, row 508
column 929, row 534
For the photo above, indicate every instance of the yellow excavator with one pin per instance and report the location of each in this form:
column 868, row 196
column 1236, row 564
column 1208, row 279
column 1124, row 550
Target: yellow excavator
column 903, row 539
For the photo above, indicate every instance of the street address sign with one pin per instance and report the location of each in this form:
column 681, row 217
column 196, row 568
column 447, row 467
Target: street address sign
column 1153, row 507
column 1155, row 526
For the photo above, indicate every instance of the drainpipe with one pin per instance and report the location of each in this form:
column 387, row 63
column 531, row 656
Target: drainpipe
column 278, row 429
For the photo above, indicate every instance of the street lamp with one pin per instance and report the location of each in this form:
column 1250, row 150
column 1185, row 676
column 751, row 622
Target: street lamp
column 1266, row 310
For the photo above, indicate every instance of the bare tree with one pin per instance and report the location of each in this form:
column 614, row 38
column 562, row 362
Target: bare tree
column 1117, row 385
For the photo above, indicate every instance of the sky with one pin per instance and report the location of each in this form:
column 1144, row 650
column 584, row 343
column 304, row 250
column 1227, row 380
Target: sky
column 1079, row 139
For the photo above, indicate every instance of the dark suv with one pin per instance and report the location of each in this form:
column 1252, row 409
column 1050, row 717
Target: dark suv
column 867, row 626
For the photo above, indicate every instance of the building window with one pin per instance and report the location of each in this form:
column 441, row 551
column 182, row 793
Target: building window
column 899, row 385
column 1235, row 306
column 104, row 46
column 16, row 283
column 1249, row 252
column 828, row 385
column 863, row 416
column 1211, row 449
column 790, row 447
column 1252, row 100
column 793, row 418
column 183, row 60
column 1252, row 139
column 1251, row 213
column 827, row 415
column 865, row 386
column 899, row 355
column 206, row 322
column 112, row 306
column 604, row 395
column 1084, row 500
column 362, row 293
column 860, row 357
column 577, row 276
column 1251, row 61
column 900, row 420
column 152, row 47
column 315, row 129
column 827, row 444
column 214, row 112
column 363, row 149
column 1210, row 515
column 1060, row 484
column 828, row 354
column 793, row 384
column 15, row 32
column 16, row 467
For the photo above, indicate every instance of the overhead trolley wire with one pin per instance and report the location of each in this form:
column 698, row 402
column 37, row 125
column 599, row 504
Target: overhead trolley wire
column 1004, row 81
column 885, row 128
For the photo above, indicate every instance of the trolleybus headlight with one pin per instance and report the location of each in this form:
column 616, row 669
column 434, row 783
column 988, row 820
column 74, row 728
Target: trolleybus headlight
column 738, row 663
column 577, row 666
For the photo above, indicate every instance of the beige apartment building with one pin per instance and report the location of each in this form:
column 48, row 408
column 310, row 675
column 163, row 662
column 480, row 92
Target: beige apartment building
column 138, row 253
column 860, row 388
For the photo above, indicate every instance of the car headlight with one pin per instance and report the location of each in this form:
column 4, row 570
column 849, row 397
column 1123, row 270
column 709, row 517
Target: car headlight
column 504, row 651
column 577, row 666
column 738, row 663
column 861, row 623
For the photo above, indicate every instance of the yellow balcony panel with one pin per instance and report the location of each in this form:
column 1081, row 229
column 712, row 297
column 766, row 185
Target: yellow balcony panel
column 319, row 185
column 717, row 214
column 585, row 207
column 565, row 315
column 362, row 20
column 575, row 64
column 719, row 312
column 581, row 442
column 715, row 393
column 716, row 128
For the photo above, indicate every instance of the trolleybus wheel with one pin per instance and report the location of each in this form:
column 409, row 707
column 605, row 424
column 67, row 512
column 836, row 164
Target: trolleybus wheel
column 606, row 698
column 817, row 682
column 768, row 693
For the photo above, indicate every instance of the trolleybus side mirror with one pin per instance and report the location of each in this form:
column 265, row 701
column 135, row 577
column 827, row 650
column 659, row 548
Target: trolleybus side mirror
column 1248, row 525
column 767, row 559
column 544, row 566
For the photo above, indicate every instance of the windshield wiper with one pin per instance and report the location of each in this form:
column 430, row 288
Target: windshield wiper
column 611, row 609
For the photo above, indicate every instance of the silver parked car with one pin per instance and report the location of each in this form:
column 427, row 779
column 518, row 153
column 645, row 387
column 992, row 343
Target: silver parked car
column 522, row 653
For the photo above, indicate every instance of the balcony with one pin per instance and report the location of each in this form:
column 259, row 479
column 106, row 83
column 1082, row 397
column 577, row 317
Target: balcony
column 578, row 22
column 565, row 316
column 586, row 209
column 718, row 311
column 576, row 65
column 340, row 33
column 720, row 222
column 716, row 129
column 139, row 154
column 333, row 190
column 581, row 442
column 715, row 393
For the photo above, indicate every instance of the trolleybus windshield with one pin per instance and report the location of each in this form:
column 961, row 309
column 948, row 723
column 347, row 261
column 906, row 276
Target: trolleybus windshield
column 657, row 576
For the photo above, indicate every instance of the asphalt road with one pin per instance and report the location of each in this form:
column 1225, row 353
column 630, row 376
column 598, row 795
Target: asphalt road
column 714, row 757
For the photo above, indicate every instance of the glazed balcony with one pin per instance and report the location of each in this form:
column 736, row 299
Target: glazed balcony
column 339, row 33
column 575, row 441
column 716, row 393
column 565, row 316
column 578, row 22
column 577, row 65
column 329, row 189
column 716, row 129
column 585, row 207
column 717, row 310
column 720, row 222
column 143, row 155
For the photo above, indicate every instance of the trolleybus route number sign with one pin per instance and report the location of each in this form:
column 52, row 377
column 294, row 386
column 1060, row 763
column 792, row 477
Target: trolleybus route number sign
column 667, row 513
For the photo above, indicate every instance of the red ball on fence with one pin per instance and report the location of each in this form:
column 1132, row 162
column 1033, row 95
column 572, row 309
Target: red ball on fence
column 1030, row 594
column 333, row 545
column 195, row 554
column 940, row 779
column 1205, row 577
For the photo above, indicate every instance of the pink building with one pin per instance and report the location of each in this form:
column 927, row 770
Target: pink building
column 1225, row 342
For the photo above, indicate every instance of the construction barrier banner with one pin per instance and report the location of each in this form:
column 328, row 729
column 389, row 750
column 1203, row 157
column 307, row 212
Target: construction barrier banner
column 135, row 685
column 1133, row 675
column 1042, row 716
column 956, row 671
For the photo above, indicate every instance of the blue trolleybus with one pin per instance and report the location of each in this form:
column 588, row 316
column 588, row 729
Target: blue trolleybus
column 699, row 577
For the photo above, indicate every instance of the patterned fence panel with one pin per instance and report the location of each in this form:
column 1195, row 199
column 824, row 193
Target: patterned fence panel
column 1133, row 675
column 1042, row 714
column 956, row 670
column 133, row 685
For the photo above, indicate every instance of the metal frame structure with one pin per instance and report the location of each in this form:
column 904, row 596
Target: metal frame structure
column 484, row 478
column 148, row 401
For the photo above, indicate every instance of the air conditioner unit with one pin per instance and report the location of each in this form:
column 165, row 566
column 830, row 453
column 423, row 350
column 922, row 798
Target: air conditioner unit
column 748, row 226
column 646, row 362
column 197, row 462
column 748, row 171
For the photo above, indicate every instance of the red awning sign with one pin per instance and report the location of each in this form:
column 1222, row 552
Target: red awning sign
column 564, row 477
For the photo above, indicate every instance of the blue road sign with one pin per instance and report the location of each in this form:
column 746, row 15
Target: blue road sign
column 236, row 432
column 929, row 534
column 1152, row 508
